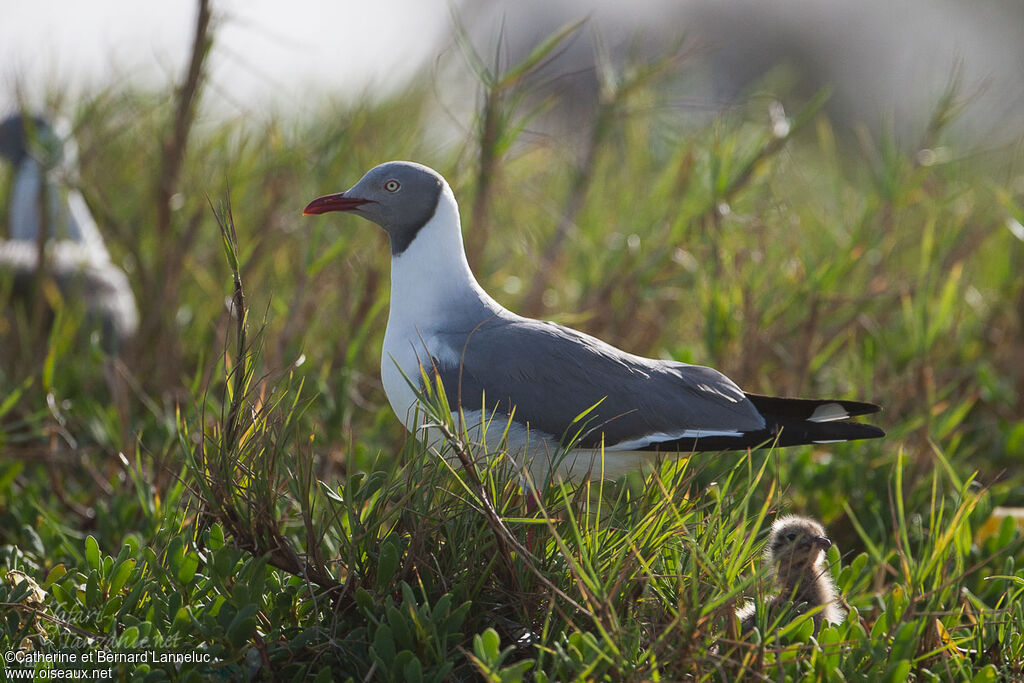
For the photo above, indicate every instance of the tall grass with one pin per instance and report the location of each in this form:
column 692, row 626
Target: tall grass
column 250, row 495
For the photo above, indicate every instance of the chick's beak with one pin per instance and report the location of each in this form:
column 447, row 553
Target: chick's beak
column 333, row 202
column 817, row 542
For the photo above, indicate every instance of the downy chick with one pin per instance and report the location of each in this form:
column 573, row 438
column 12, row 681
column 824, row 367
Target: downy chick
column 796, row 553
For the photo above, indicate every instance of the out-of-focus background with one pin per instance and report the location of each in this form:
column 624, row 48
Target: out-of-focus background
column 817, row 198
column 266, row 56
column 886, row 63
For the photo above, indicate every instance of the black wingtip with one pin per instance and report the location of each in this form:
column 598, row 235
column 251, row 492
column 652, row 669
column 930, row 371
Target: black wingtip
column 778, row 433
column 830, row 432
column 805, row 408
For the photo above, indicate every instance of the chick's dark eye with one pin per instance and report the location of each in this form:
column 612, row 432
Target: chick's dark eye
column 791, row 537
column 392, row 186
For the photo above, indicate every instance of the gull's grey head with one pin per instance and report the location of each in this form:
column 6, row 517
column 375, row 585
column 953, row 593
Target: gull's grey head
column 23, row 136
column 399, row 196
column 796, row 541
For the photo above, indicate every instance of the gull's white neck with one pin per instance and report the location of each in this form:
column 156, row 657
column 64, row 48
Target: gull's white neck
column 432, row 286
column 433, row 292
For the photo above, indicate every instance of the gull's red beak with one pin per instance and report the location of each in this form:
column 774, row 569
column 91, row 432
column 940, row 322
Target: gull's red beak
column 333, row 202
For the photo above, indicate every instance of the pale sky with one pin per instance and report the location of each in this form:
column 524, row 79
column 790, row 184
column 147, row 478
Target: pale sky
column 881, row 56
column 265, row 51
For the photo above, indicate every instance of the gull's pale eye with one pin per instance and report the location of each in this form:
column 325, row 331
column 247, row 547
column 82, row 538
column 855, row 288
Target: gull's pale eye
column 392, row 186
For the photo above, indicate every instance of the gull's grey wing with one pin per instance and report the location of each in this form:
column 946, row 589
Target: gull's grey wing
column 551, row 374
